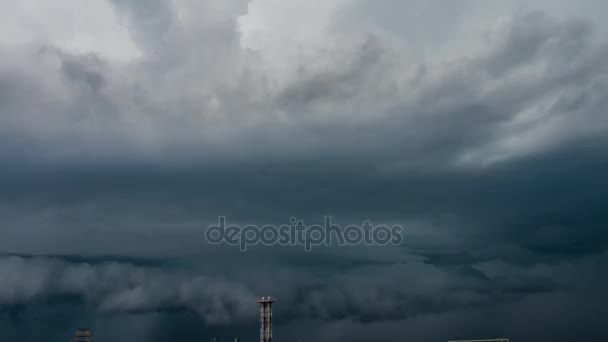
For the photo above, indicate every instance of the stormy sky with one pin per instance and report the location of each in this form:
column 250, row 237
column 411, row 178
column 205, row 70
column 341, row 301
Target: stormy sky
column 128, row 126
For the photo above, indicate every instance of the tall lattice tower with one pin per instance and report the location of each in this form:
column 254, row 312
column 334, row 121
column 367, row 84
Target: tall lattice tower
column 265, row 318
column 82, row 335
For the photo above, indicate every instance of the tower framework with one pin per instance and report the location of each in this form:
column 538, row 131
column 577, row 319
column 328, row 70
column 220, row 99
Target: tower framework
column 265, row 318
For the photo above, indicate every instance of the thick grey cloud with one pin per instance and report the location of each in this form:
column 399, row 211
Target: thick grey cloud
column 314, row 301
column 488, row 146
column 115, row 287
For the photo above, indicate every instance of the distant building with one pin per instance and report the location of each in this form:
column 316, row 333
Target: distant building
column 488, row 340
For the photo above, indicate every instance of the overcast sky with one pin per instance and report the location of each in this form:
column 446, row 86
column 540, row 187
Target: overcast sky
column 127, row 127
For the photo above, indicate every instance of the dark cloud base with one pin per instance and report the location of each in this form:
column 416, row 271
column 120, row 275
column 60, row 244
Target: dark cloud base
column 467, row 298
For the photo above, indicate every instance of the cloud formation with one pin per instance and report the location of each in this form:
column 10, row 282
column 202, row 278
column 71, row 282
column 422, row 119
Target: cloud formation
column 486, row 107
column 126, row 127
column 118, row 287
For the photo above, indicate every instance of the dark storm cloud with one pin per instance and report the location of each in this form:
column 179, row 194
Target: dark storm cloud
column 120, row 287
column 115, row 287
column 541, row 203
column 489, row 294
column 493, row 162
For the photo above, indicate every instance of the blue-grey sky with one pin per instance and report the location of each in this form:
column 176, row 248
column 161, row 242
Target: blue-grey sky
column 127, row 127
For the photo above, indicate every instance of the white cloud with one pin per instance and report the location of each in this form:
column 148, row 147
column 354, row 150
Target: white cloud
column 350, row 65
column 77, row 26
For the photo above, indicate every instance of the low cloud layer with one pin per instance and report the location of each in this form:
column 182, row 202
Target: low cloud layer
column 324, row 297
column 116, row 287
